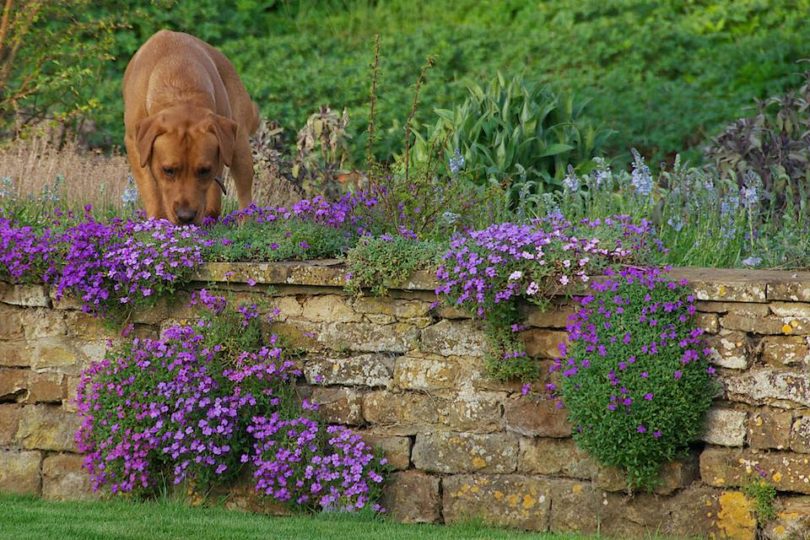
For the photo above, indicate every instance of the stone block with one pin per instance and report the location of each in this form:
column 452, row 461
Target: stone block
column 736, row 291
column 800, row 435
column 25, row 295
column 13, row 384
column 45, row 427
column 790, row 309
column 84, row 326
column 288, row 307
column 708, row 322
column 329, row 308
column 792, row 520
column 723, row 467
column 454, row 338
column 767, row 386
column 19, row 472
column 372, row 370
column 45, row 388
column 769, row 428
column 368, row 337
column 465, row 452
column 339, row 405
column 426, row 373
column 11, row 323
column 397, row 450
column 57, row 354
column 786, row 351
column 64, row 479
column 517, row 501
column 795, row 290
column 478, row 412
column 730, row 349
column 555, row 457
column 556, row 316
column 761, row 325
column 543, row 343
column 413, row 497
column 737, row 308
column 536, row 418
column 401, row 414
column 401, row 309
column 15, row 354
column 725, row 427
column 10, row 415
column 43, row 323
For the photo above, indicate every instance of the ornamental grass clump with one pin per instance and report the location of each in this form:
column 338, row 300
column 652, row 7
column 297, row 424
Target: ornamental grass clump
column 488, row 271
column 635, row 378
column 190, row 408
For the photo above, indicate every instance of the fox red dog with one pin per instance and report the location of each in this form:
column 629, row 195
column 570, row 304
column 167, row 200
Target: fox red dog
column 187, row 115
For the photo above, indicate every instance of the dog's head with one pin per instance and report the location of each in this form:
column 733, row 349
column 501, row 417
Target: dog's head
column 186, row 149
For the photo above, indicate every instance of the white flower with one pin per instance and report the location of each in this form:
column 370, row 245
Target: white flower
column 532, row 289
column 752, row 261
column 564, row 279
column 514, row 276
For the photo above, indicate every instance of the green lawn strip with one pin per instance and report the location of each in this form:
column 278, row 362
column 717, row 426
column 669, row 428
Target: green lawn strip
column 32, row 518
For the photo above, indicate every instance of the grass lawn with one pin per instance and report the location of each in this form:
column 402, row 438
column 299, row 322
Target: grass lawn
column 24, row 518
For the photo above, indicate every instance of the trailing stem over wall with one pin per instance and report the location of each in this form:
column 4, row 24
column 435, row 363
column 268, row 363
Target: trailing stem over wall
column 409, row 377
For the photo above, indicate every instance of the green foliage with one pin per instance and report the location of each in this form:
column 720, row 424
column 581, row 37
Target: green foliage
column 635, row 382
column 763, row 494
column 665, row 75
column 521, row 136
column 51, row 53
column 285, row 239
column 383, row 262
column 773, row 145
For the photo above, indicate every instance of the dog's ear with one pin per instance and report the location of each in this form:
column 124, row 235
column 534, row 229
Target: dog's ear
column 146, row 131
column 225, row 130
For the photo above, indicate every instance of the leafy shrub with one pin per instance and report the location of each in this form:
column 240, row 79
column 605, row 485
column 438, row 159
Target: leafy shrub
column 772, row 147
column 377, row 263
column 186, row 408
column 515, row 134
column 763, row 494
column 488, row 271
column 635, row 379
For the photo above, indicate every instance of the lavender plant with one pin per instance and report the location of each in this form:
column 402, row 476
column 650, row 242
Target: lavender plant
column 635, row 381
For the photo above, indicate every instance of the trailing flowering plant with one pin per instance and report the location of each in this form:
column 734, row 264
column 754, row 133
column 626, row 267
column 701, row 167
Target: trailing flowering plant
column 488, row 271
column 635, row 379
column 190, row 408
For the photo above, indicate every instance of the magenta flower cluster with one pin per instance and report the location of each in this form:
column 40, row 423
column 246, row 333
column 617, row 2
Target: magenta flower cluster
column 635, row 378
column 177, row 408
column 505, row 261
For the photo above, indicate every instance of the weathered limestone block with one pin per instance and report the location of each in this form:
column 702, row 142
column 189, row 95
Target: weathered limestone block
column 792, row 520
column 737, row 308
column 86, row 327
column 371, row 370
column 444, row 452
column 15, row 354
column 555, row 457
column 708, row 322
column 45, row 388
column 543, row 343
column 402, row 309
column 413, row 497
column 368, row 337
column 788, row 351
column 44, row 427
column 579, row 507
column 43, row 323
column 321, row 273
column 443, row 311
column 725, row 427
column 401, row 414
column 68, row 300
column 786, row 389
column 288, row 307
column 25, row 295
column 790, row 309
column 735, row 467
column 504, row 500
column 397, row 450
column 13, row 384
column 454, row 338
column 556, row 316
column 730, row 349
column 769, row 428
column 732, row 291
column 800, row 435
column 761, row 325
column 795, row 290
column 339, row 405
column 64, row 478
column 57, row 354
column 19, row 472
column 10, row 415
column 329, row 308
column 426, row 373
column 298, row 334
column 536, row 418
column 735, row 516
column 478, row 412
column 11, row 322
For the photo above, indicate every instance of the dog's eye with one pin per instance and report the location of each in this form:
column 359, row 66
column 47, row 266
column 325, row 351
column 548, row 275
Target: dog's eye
column 202, row 172
column 169, row 171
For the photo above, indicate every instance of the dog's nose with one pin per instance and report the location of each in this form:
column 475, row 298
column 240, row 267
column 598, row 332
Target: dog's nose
column 186, row 215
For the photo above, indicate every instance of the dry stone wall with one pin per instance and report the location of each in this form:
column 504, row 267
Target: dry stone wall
column 410, row 377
